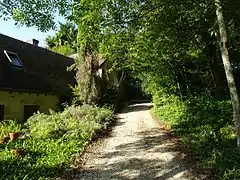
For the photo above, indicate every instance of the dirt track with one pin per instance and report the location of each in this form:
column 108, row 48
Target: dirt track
column 137, row 149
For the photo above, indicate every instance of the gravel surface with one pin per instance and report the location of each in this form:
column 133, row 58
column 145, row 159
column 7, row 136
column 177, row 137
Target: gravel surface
column 138, row 148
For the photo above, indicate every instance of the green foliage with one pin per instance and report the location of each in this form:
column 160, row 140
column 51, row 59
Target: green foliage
column 9, row 126
column 40, row 14
column 66, row 34
column 3, row 130
column 173, row 42
column 65, row 50
column 232, row 174
column 74, row 122
column 172, row 47
column 52, row 141
column 64, row 41
column 43, row 159
column 205, row 127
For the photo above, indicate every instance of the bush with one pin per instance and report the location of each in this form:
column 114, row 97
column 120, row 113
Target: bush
column 205, row 126
column 73, row 122
column 54, row 140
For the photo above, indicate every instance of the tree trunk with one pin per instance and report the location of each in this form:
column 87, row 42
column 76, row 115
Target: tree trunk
column 228, row 68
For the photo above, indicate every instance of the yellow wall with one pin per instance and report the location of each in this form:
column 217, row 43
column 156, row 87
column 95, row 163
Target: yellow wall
column 14, row 103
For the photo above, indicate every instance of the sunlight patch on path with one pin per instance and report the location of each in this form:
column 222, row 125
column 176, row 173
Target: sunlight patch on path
column 136, row 149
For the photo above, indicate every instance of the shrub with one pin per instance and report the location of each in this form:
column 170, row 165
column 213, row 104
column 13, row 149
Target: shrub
column 205, row 126
column 232, row 174
column 73, row 122
column 42, row 126
column 54, row 140
column 8, row 126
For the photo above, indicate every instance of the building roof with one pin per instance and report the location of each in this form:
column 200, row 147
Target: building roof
column 43, row 70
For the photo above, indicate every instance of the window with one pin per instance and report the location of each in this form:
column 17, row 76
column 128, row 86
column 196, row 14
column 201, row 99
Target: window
column 29, row 110
column 13, row 58
column 1, row 112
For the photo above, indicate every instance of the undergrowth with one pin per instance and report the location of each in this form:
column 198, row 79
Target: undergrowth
column 204, row 125
column 51, row 141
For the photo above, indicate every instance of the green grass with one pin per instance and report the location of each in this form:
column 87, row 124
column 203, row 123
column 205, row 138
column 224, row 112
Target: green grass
column 205, row 127
column 52, row 142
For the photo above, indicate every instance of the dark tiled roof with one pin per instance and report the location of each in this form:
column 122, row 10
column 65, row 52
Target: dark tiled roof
column 16, row 79
column 44, row 71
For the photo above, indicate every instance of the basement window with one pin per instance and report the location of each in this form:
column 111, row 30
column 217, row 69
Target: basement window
column 1, row 112
column 29, row 110
column 13, row 58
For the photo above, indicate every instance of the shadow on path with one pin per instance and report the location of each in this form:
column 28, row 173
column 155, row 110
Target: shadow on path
column 149, row 153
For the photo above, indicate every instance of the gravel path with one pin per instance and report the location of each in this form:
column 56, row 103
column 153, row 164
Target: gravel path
column 137, row 149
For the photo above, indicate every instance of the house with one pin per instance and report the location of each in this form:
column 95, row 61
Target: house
column 31, row 78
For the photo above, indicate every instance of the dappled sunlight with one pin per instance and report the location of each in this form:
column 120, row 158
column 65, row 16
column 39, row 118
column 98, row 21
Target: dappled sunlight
column 137, row 149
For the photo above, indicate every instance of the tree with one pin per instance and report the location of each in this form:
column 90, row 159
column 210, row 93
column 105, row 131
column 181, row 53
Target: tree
column 228, row 68
column 86, row 14
column 67, row 34
column 65, row 40
column 170, row 44
column 88, row 88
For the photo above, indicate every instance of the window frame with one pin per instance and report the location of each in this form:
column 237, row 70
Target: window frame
column 15, row 54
